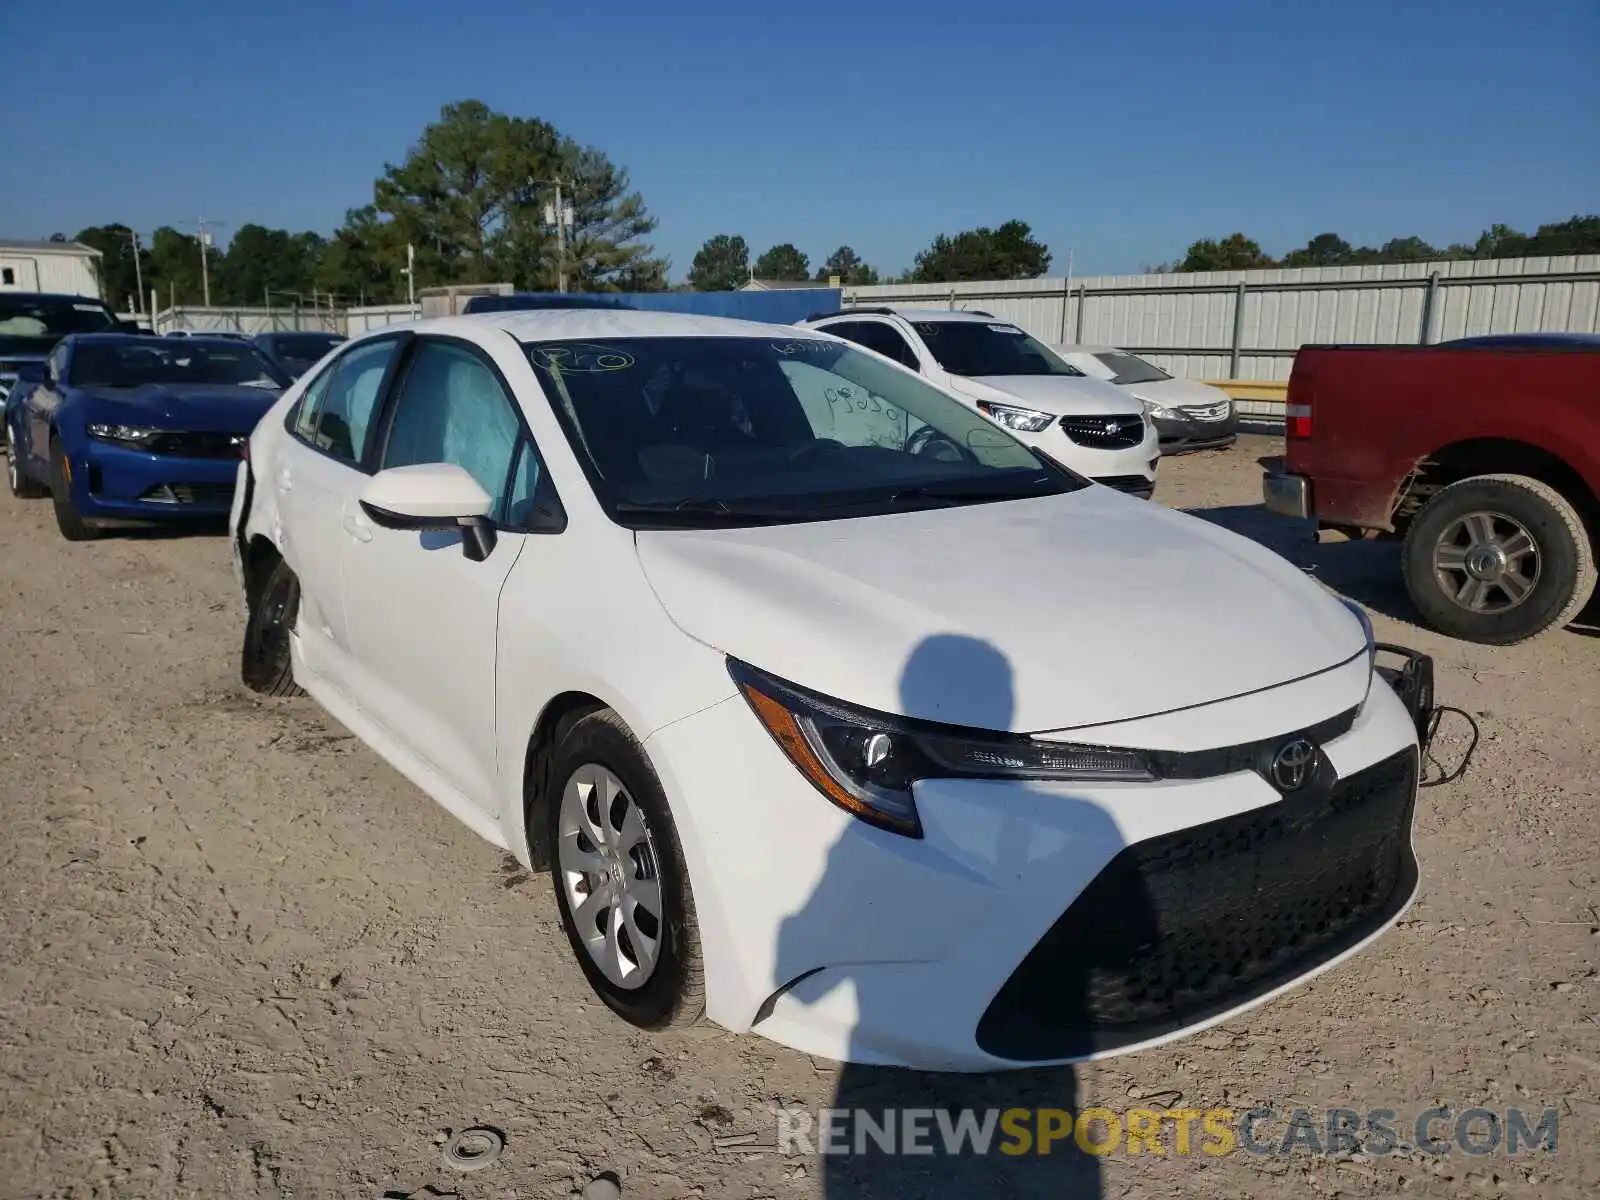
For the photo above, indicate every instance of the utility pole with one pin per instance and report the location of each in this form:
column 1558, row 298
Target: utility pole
column 558, row 214
column 205, row 246
column 138, row 269
column 411, row 279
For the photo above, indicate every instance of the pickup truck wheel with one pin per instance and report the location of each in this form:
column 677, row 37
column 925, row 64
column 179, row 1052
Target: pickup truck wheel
column 1498, row 559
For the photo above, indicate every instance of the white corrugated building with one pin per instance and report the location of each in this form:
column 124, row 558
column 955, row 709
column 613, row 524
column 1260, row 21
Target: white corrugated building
column 69, row 267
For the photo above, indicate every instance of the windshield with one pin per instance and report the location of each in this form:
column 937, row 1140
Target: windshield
column 304, row 347
column 51, row 316
column 976, row 348
column 134, row 362
column 1130, row 368
column 736, row 430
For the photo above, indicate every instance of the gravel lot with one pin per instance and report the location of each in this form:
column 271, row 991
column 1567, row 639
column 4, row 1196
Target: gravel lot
column 243, row 957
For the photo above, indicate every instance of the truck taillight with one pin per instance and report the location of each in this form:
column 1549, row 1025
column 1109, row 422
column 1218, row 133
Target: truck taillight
column 1298, row 424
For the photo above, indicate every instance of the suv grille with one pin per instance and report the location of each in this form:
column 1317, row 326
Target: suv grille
column 1190, row 924
column 1105, row 433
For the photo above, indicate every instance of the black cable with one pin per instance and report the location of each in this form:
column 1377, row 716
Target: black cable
column 1443, row 775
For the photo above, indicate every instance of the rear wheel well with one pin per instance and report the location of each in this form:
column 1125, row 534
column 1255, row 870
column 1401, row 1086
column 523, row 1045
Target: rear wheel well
column 560, row 715
column 1493, row 456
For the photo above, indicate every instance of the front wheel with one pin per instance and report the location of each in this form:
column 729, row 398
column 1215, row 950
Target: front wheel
column 621, row 885
column 266, row 665
column 1498, row 559
column 21, row 486
column 69, row 520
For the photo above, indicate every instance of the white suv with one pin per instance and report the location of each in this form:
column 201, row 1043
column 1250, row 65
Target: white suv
column 1017, row 382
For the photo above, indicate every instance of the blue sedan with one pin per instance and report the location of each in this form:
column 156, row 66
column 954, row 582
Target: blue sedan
column 116, row 428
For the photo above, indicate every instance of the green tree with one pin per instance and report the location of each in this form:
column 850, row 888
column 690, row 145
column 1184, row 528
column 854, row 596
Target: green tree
column 261, row 259
column 1500, row 241
column 361, row 262
column 847, row 265
column 783, row 262
column 1577, row 235
column 1408, row 249
column 605, row 250
column 119, row 275
column 1324, row 250
column 175, row 266
column 1009, row 252
column 1233, row 253
column 721, row 264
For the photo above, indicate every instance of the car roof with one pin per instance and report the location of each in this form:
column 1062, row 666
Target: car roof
column 576, row 324
column 151, row 339
column 1082, row 348
column 973, row 316
column 69, row 297
column 1522, row 341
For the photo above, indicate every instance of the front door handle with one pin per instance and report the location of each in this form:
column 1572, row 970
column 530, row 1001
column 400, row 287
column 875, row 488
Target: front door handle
column 285, row 481
column 357, row 528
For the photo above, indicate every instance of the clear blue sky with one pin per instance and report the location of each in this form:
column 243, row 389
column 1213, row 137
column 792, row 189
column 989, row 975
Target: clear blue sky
column 1122, row 129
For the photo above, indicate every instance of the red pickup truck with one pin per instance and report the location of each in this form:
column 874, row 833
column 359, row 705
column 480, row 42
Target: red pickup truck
column 1483, row 455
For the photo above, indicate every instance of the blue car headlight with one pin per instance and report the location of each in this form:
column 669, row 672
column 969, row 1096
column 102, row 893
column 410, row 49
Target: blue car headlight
column 135, row 437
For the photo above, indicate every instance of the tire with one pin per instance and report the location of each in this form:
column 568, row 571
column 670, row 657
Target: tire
column 672, row 991
column 265, row 663
column 68, row 519
column 1454, row 560
column 22, row 487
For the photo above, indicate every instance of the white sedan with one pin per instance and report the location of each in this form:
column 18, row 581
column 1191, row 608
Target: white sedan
column 1187, row 414
column 840, row 714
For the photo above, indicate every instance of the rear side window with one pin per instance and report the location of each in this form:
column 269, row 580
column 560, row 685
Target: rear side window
column 875, row 335
column 335, row 414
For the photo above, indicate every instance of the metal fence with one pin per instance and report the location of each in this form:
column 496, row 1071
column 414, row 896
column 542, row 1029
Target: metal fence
column 249, row 320
column 1248, row 324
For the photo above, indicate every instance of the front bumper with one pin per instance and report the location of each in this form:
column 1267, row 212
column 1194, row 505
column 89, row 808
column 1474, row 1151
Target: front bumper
column 1181, row 432
column 1035, row 922
column 112, row 482
column 1130, row 469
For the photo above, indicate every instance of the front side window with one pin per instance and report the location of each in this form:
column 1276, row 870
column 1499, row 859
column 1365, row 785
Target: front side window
column 335, row 414
column 979, row 348
column 1130, row 368
column 718, row 430
column 875, row 335
column 450, row 408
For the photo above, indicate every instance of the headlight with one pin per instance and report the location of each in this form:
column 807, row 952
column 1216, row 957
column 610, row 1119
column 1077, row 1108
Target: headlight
column 1022, row 420
column 1154, row 411
column 866, row 762
column 135, row 436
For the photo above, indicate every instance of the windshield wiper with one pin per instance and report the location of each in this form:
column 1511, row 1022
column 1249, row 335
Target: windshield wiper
column 702, row 506
column 954, row 491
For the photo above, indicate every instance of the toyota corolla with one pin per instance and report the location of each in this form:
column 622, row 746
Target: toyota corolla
column 838, row 713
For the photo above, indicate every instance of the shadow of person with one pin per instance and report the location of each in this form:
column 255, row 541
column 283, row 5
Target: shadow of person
column 1016, row 853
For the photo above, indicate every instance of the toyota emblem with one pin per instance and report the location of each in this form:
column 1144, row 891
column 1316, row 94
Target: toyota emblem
column 1293, row 764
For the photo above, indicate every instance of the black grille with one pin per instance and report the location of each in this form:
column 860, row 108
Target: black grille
column 198, row 445
column 1134, row 485
column 1190, row 924
column 1105, row 433
column 213, row 495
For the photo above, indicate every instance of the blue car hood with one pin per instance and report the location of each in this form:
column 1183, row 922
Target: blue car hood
column 206, row 408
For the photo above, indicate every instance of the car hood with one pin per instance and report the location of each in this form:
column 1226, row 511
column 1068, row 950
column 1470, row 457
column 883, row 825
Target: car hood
column 1060, row 395
column 1176, row 393
column 1103, row 608
column 202, row 407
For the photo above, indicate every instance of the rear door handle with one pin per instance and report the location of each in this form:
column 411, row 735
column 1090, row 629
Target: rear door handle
column 357, row 528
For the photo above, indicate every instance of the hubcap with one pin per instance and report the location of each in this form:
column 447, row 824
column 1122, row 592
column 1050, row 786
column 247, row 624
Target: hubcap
column 608, row 874
column 1486, row 562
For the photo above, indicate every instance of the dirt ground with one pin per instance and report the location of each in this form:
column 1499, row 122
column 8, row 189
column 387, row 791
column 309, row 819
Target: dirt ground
column 243, row 958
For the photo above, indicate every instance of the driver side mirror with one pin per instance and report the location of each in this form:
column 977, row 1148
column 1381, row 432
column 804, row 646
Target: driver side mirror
column 432, row 496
